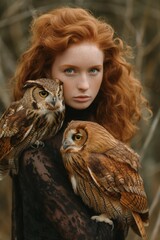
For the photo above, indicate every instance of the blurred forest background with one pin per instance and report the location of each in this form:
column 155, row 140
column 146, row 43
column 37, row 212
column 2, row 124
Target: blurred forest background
column 138, row 23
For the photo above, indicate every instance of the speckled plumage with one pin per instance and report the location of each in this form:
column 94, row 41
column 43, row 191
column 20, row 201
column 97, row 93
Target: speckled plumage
column 104, row 172
column 32, row 119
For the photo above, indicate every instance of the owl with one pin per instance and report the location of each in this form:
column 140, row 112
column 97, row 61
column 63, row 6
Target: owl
column 104, row 173
column 31, row 120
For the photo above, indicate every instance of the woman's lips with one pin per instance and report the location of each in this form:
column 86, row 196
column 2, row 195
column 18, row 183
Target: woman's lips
column 82, row 98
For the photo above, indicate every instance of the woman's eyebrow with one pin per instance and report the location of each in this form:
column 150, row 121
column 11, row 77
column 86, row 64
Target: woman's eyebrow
column 68, row 65
column 98, row 65
column 91, row 66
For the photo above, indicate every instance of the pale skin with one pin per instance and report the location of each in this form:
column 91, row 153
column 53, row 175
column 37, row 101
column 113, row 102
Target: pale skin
column 80, row 68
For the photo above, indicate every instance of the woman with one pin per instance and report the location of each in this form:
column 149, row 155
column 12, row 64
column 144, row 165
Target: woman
column 99, row 85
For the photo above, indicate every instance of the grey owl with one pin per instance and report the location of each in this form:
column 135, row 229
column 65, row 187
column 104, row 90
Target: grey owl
column 37, row 116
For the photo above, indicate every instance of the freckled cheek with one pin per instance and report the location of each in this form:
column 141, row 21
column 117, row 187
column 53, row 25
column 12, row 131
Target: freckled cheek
column 95, row 90
column 68, row 89
column 61, row 77
column 97, row 85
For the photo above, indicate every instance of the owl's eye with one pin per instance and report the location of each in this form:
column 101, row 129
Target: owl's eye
column 43, row 93
column 77, row 137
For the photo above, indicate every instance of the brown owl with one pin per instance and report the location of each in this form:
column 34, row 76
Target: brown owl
column 104, row 172
column 32, row 119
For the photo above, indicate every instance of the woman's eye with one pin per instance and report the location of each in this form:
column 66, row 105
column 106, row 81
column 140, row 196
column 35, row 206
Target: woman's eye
column 69, row 71
column 77, row 137
column 43, row 93
column 94, row 71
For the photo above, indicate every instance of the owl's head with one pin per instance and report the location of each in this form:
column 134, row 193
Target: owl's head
column 86, row 135
column 44, row 94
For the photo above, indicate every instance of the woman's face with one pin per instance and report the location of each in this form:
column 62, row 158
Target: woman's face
column 80, row 68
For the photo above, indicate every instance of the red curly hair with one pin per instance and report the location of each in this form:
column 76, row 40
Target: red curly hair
column 120, row 98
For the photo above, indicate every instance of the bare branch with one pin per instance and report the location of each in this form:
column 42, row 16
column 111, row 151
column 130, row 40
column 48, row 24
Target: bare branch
column 150, row 134
column 153, row 44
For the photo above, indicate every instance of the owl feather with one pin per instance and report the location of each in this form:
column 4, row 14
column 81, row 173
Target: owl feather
column 34, row 118
column 104, row 173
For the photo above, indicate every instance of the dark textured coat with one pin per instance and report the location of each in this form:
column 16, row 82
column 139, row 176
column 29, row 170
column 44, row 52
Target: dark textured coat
column 44, row 204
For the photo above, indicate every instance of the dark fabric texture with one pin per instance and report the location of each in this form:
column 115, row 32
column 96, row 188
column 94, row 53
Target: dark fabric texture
column 44, row 204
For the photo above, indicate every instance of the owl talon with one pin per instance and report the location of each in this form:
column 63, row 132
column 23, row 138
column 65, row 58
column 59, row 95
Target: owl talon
column 38, row 144
column 103, row 218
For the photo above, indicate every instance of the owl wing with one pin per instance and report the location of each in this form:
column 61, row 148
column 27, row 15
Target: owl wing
column 14, row 128
column 114, row 174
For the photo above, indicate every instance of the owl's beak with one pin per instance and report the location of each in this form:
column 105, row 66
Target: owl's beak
column 54, row 100
column 66, row 145
column 53, row 104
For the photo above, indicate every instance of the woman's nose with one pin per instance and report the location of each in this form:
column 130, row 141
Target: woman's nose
column 83, row 82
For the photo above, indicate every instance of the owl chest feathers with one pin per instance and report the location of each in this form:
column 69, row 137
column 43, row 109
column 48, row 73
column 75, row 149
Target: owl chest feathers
column 93, row 196
column 83, row 184
column 23, row 127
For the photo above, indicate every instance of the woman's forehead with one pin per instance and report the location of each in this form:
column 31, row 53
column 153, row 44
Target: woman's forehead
column 77, row 53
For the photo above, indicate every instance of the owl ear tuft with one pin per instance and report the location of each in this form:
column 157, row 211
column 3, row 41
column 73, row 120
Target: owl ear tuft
column 30, row 83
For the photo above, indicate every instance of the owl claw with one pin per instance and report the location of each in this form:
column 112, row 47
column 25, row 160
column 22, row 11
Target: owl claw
column 38, row 144
column 103, row 218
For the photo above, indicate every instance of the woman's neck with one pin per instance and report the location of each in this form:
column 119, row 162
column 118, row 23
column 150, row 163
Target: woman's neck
column 83, row 114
